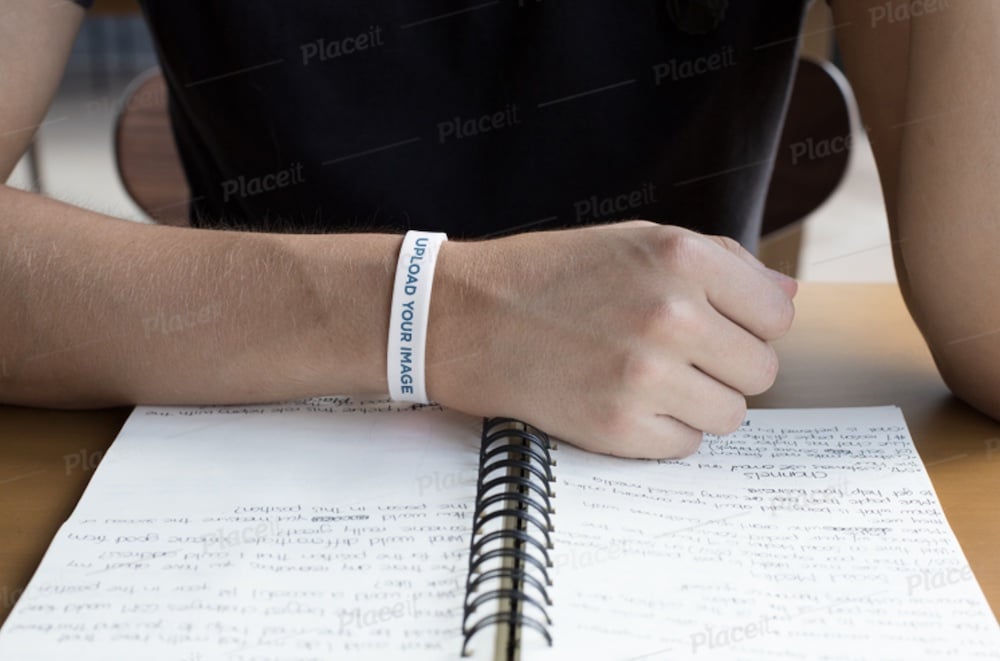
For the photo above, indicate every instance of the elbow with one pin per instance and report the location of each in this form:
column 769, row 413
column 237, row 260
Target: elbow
column 959, row 320
column 972, row 376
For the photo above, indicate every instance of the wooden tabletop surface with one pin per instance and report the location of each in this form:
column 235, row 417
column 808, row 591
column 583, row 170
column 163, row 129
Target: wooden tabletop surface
column 852, row 345
column 855, row 345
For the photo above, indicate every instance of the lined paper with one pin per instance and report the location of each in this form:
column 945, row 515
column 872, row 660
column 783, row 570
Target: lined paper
column 331, row 528
column 340, row 527
column 808, row 534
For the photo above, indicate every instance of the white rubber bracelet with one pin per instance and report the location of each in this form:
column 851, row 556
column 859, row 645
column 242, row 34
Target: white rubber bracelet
column 411, row 304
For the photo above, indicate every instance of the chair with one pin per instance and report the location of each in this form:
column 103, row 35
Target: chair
column 811, row 160
column 146, row 155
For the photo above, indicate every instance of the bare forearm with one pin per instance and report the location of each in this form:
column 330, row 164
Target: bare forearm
column 876, row 54
column 101, row 311
column 948, row 205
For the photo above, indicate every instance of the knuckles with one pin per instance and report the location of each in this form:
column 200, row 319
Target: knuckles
column 636, row 224
column 650, row 318
column 616, row 421
column 641, row 372
column 678, row 249
column 729, row 243
column 668, row 317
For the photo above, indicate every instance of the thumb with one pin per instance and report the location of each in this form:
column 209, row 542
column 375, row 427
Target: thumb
column 788, row 284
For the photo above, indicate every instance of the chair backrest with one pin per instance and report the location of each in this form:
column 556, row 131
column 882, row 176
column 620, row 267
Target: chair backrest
column 812, row 157
column 146, row 154
column 815, row 145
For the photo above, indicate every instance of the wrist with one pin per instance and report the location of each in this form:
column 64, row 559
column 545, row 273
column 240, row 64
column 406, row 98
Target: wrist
column 408, row 316
column 466, row 319
column 446, row 336
column 349, row 281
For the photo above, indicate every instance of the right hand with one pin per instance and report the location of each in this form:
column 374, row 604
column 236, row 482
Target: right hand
column 629, row 339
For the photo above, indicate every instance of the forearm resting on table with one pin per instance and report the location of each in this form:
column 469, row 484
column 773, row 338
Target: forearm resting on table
column 949, row 195
column 100, row 311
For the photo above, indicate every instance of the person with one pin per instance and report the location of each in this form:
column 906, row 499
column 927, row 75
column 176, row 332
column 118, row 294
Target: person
column 312, row 135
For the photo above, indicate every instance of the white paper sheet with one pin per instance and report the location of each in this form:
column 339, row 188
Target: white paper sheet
column 808, row 534
column 333, row 529
column 295, row 531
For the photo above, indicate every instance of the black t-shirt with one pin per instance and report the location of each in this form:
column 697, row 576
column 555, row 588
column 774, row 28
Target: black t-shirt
column 477, row 118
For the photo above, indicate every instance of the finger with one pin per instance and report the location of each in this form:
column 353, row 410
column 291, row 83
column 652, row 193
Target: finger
column 701, row 402
column 787, row 283
column 737, row 249
column 731, row 355
column 696, row 333
column 740, row 290
column 655, row 437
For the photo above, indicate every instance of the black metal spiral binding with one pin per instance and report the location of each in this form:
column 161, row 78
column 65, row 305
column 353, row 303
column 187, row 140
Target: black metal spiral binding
column 515, row 485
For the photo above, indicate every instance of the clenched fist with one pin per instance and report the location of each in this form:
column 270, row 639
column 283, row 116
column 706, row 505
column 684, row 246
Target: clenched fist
column 629, row 339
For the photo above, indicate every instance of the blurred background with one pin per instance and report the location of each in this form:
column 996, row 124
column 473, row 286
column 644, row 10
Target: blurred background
column 846, row 239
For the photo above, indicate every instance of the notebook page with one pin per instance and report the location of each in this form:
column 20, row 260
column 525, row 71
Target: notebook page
column 808, row 534
column 319, row 529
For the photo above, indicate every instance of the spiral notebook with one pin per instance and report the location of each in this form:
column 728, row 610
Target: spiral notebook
column 342, row 528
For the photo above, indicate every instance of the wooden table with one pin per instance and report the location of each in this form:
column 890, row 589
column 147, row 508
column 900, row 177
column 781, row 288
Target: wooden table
column 852, row 345
column 855, row 345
